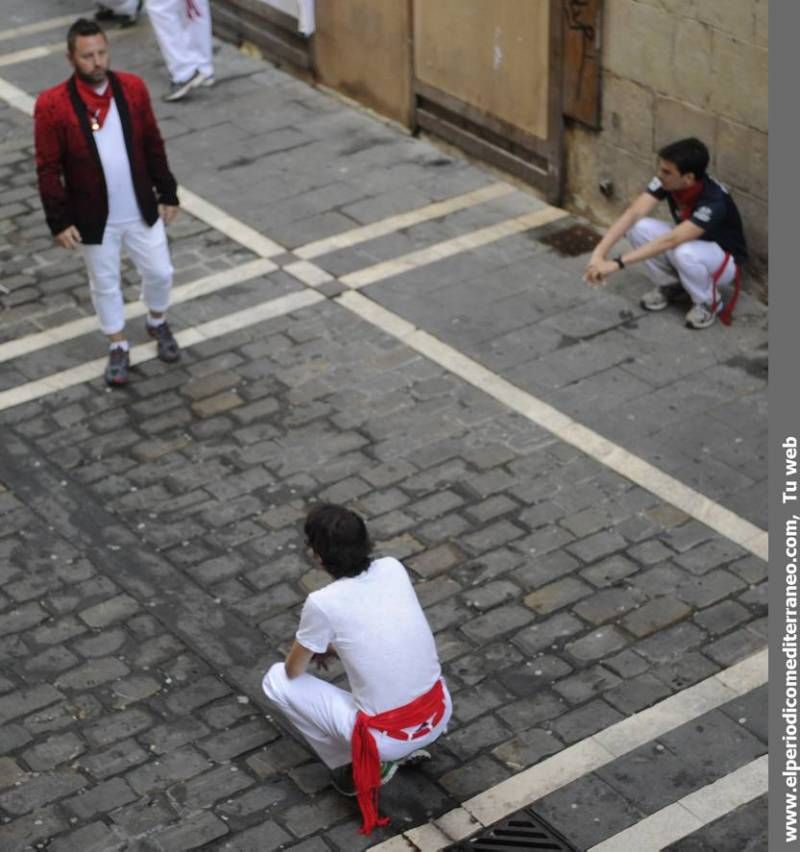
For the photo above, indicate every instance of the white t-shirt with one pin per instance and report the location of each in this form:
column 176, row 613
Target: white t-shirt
column 380, row 633
column 122, row 204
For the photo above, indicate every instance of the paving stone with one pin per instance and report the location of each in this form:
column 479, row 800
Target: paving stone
column 488, row 596
column 735, row 647
column 119, row 726
column 650, row 552
column 722, row 617
column 26, row 700
column 474, row 702
column 100, row 799
column 10, row 773
column 607, row 605
column 540, row 570
column 609, row 571
column 22, row 618
column 709, row 588
column 527, row 748
column 94, row 837
column 496, row 622
column 538, row 637
column 586, row 684
column 321, row 812
column 24, row 832
column 192, row 832
column 597, row 546
column 277, row 757
column 654, row 616
column 239, row 740
column 627, row 663
column 584, row 721
column 92, row 674
column 528, row 712
column 597, row 644
column 51, row 661
column 473, row 777
column 53, row 751
column 38, row 792
column 263, row 838
column 477, row 736
column 101, row 644
column 670, row 644
column 204, row 691
column 110, row 611
column 557, row 595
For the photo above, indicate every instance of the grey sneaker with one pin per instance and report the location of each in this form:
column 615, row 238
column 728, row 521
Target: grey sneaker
column 167, row 345
column 117, row 367
column 659, row 297
column 700, row 316
column 178, row 91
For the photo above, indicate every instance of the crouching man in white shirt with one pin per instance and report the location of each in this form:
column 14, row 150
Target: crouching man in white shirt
column 370, row 617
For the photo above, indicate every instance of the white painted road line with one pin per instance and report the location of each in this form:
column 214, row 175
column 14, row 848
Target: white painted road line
column 448, row 248
column 226, row 224
column 697, row 505
column 692, row 812
column 16, row 97
column 42, row 26
column 669, row 489
column 70, row 330
column 147, row 351
column 403, row 220
column 309, row 273
column 588, row 755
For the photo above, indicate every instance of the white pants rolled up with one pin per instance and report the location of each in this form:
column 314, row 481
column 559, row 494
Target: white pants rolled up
column 185, row 42
column 325, row 715
column 693, row 263
column 148, row 249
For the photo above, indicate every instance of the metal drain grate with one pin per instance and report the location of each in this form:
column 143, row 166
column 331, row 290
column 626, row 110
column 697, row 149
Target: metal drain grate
column 524, row 831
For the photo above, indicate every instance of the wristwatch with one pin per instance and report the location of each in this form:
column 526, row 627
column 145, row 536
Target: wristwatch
column 618, row 261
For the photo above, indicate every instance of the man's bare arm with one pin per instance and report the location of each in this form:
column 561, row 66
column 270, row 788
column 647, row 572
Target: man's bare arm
column 297, row 660
column 641, row 207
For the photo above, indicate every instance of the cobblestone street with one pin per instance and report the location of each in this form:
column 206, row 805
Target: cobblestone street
column 151, row 548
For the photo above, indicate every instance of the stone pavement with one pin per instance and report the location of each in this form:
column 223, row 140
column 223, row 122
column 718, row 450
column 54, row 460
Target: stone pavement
column 151, row 546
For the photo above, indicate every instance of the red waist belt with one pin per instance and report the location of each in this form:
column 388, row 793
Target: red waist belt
column 366, row 761
column 726, row 314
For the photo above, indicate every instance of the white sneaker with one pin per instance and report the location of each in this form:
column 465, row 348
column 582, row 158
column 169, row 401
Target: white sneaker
column 659, row 297
column 700, row 316
column 207, row 82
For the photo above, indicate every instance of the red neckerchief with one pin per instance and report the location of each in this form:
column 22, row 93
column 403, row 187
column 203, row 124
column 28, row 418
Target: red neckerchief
column 97, row 106
column 686, row 199
column 366, row 761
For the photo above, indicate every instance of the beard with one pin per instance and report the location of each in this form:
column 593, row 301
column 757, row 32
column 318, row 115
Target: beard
column 96, row 78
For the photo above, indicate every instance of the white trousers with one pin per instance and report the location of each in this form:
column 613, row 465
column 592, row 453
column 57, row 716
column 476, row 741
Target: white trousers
column 693, row 263
column 148, row 249
column 325, row 715
column 185, row 42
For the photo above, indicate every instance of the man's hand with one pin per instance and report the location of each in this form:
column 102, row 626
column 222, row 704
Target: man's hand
column 168, row 212
column 69, row 238
column 321, row 660
column 597, row 272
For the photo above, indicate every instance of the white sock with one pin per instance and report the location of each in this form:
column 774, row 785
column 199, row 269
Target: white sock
column 152, row 322
column 119, row 344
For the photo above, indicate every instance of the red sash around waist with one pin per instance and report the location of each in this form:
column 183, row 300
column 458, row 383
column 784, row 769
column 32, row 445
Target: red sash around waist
column 366, row 761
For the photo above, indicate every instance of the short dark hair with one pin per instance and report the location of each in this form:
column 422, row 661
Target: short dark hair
column 82, row 27
column 689, row 155
column 339, row 537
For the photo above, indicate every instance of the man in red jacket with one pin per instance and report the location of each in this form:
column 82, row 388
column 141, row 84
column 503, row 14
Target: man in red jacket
column 105, row 183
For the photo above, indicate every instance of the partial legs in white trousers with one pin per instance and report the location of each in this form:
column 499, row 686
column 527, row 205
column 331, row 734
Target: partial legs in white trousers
column 185, row 42
column 325, row 715
column 149, row 251
column 693, row 264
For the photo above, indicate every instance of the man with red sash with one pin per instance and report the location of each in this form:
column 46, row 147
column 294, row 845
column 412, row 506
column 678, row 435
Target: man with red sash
column 702, row 252
column 371, row 619
column 105, row 184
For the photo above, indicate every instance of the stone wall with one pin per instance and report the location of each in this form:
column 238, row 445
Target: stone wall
column 675, row 68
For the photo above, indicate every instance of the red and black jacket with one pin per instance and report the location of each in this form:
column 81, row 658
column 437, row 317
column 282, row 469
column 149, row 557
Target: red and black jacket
column 71, row 180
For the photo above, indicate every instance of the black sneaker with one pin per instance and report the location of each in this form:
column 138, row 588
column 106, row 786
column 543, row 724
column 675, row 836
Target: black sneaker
column 167, row 345
column 117, row 368
column 103, row 13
